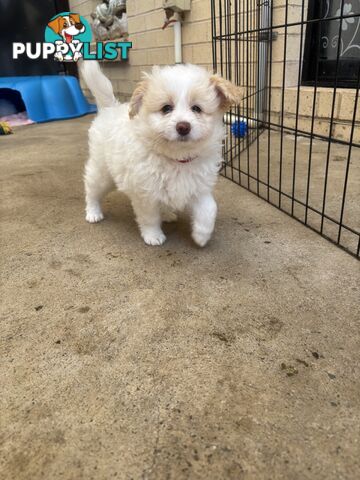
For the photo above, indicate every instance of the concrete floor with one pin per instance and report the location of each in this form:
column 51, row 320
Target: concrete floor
column 267, row 167
column 238, row 361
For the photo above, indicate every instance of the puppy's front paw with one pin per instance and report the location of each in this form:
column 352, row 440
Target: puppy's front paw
column 201, row 238
column 94, row 216
column 154, row 237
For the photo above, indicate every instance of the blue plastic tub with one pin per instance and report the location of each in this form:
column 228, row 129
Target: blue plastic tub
column 50, row 97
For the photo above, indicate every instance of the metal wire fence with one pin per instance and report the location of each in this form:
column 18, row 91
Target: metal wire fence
column 295, row 140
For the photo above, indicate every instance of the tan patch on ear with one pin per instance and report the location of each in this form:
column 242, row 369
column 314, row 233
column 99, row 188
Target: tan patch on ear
column 229, row 93
column 137, row 98
column 75, row 17
column 56, row 24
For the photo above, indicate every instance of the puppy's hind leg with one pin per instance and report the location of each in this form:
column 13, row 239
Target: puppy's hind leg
column 148, row 217
column 98, row 183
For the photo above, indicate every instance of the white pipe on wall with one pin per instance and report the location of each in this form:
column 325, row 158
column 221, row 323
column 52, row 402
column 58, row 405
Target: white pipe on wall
column 177, row 39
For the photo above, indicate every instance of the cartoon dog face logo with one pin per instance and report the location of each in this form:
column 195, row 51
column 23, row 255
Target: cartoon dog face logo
column 67, row 26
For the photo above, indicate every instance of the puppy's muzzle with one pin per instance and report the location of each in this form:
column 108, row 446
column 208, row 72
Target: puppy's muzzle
column 183, row 128
column 79, row 26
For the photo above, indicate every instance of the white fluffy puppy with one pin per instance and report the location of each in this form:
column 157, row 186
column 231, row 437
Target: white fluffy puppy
column 163, row 148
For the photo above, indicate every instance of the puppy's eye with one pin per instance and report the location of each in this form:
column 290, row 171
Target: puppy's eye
column 196, row 109
column 167, row 109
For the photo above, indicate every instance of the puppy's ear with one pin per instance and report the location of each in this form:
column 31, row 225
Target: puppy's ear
column 75, row 17
column 229, row 93
column 137, row 98
column 56, row 24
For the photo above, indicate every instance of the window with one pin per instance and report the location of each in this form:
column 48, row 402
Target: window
column 332, row 54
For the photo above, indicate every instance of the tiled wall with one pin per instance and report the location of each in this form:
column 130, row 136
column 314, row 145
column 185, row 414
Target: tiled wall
column 151, row 44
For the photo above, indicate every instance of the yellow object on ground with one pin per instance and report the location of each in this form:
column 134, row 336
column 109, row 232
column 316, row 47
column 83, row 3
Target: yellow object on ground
column 5, row 128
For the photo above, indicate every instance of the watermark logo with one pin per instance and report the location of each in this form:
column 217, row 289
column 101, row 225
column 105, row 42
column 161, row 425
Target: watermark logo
column 68, row 32
column 68, row 38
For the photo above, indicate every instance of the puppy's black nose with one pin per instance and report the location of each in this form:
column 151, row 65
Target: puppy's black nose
column 183, row 128
column 79, row 26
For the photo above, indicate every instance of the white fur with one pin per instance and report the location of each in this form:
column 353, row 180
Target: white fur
column 141, row 155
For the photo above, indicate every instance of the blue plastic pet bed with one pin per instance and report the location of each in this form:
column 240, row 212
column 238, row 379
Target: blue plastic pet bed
column 49, row 97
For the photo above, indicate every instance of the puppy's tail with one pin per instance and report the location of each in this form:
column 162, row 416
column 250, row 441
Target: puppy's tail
column 99, row 85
